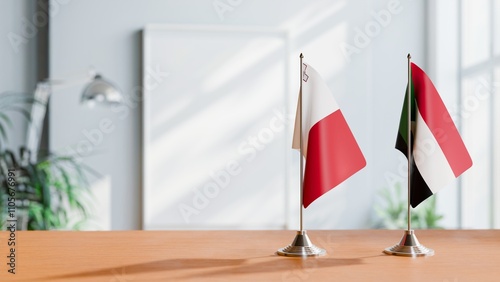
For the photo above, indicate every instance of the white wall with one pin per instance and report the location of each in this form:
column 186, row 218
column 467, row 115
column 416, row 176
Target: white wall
column 369, row 86
column 17, row 57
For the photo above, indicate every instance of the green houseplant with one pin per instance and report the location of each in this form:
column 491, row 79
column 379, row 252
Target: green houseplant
column 51, row 193
column 392, row 212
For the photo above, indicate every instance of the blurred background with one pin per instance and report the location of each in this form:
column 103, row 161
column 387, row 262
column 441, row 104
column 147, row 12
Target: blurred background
column 201, row 138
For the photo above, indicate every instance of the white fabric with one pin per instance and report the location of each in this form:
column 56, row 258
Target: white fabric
column 318, row 102
column 429, row 158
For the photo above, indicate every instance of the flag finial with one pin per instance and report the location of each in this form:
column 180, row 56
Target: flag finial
column 301, row 56
column 409, row 56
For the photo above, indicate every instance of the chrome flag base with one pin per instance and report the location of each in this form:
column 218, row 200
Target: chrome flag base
column 301, row 247
column 409, row 247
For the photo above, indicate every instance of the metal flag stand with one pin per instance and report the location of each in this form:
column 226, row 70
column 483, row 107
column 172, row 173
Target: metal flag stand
column 409, row 245
column 301, row 245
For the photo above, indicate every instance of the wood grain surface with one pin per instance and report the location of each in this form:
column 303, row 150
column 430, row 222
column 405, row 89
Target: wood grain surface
column 116, row 256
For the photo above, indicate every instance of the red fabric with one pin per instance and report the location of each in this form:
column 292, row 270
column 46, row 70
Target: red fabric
column 333, row 155
column 437, row 118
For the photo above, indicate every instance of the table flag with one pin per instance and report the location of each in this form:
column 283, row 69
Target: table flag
column 438, row 152
column 330, row 150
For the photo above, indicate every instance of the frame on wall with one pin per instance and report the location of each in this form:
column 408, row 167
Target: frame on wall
column 216, row 131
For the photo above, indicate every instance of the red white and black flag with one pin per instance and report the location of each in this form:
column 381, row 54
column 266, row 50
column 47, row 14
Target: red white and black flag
column 439, row 154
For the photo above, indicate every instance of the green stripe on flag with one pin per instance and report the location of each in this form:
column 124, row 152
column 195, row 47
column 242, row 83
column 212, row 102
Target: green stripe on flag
column 403, row 122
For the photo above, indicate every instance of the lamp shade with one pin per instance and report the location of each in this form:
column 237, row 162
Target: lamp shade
column 102, row 91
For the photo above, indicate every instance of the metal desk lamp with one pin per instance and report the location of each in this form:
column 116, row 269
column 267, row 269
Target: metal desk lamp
column 97, row 90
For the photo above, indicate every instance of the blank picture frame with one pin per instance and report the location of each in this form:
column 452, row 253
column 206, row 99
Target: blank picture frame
column 216, row 127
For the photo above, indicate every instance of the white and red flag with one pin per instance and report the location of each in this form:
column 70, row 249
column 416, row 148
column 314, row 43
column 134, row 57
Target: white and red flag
column 330, row 150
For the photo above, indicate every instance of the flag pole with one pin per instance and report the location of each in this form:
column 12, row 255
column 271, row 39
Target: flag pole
column 409, row 246
column 409, row 138
column 301, row 245
column 301, row 149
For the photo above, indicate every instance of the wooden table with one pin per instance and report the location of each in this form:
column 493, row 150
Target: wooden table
column 461, row 255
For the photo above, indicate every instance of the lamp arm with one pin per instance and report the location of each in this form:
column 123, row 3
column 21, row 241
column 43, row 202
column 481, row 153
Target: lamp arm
column 58, row 84
column 35, row 126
